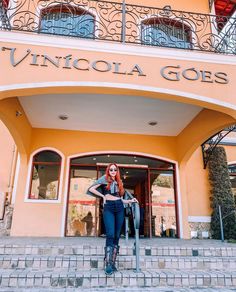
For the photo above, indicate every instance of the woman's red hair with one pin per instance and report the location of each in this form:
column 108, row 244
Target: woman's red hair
column 117, row 178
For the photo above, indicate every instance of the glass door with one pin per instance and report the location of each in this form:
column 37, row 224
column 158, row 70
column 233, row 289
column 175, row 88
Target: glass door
column 82, row 210
column 135, row 180
column 163, row 214
column 150, row 181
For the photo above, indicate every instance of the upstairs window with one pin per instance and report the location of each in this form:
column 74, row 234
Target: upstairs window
column 68, row 21
column 45, row 176
column 165, row 32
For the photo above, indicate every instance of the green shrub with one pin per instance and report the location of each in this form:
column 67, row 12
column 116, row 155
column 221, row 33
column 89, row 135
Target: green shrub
column 221, row 194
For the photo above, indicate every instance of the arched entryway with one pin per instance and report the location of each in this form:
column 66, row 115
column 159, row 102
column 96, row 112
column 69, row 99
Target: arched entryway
column 151, row 180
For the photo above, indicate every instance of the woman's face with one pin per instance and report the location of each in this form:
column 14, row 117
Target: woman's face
column 112, row 171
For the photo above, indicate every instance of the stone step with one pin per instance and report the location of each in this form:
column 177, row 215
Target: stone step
column 119, row 289
column 49, row 250
column 93, row 279
column 88, row 262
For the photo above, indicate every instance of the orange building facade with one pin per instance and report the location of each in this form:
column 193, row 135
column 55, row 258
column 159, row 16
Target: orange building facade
column 93, row 82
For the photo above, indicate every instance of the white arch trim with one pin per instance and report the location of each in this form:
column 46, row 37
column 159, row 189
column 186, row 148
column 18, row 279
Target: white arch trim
column 28, row 181
column 232, row 162
column 179, row 206
column 13, row 199
column 116, row 85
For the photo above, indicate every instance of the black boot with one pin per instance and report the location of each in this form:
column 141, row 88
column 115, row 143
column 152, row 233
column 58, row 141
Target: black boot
column 108, row 260
column 114, row 256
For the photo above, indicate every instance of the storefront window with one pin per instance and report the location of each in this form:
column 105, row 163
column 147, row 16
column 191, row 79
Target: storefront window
column 67, row 20
column 165, row 33
column 82, row 208
column 163, row 220
column 45, row 176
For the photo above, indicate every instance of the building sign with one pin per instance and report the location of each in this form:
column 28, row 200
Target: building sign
column 176, row 73
column 68, row 62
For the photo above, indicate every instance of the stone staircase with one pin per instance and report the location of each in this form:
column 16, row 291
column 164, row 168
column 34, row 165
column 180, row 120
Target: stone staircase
column 78, row 263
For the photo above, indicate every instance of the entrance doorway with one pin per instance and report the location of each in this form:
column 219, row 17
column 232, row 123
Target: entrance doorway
column 151, row 181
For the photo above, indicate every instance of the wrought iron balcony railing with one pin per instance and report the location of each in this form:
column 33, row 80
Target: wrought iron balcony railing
column 120, row 22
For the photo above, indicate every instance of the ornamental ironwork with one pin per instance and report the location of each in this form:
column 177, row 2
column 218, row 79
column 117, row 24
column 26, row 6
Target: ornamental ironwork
column 125, row 23
column 209, row 145
column 4, row 20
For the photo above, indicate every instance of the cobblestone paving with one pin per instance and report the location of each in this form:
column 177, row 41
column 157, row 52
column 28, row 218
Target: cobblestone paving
column 122, row 290
column 34, row 255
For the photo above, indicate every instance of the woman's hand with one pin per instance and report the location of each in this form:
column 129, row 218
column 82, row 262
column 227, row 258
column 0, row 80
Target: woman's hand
column 134, row 200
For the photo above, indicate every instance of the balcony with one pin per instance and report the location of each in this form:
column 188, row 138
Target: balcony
column 122, row 23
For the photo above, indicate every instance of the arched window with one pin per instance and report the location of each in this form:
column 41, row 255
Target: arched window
column 67, row 20
column 45, row 176
column 165, row 32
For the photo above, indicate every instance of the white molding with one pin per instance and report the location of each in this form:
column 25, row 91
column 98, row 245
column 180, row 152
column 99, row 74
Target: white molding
column 66, row 189
column 28, row 182
column 36, row 201
column 199, row 219
column 180, row 210
column 15, row 184
column 109, row 47
column 179, row 206
column 115, row 85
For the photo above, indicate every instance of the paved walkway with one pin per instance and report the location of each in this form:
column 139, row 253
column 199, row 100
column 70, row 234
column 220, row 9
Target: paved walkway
column 98, row 241
column 123, row 290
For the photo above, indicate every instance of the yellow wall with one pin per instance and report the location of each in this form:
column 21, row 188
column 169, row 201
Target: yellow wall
column 184, row 5
column 18, row 125
column 76, row 142
column 198, row 188
column 231, row 153
column 6, row 158
column 204, row 125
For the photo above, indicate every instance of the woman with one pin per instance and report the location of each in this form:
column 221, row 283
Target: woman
column 110, row 188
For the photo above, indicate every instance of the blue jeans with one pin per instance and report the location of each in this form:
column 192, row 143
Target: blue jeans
column 113, row 217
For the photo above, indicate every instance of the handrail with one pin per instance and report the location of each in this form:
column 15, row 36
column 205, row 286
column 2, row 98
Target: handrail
column 221, row 221
column 136, row 219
